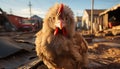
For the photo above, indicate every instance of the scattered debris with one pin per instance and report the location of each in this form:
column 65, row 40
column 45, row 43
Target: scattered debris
column 8, row 47
column 17, row 50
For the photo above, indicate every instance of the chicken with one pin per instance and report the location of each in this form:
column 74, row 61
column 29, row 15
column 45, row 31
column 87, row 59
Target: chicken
column 57, row 43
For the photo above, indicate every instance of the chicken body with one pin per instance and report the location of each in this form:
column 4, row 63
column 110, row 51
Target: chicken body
column 64, row 48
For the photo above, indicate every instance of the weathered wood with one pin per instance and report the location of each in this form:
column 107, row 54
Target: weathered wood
column 31, row 65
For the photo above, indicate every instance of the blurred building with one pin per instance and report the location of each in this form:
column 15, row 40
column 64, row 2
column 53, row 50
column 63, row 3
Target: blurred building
column 16, row 20
column 86, row 19
column 78, row 21
column 39, row 19
column 110, row 17
column 109, row 20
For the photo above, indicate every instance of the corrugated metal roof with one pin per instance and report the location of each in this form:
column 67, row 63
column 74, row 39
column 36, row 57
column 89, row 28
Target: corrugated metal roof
column 95, row 11
column 111, row 9
column 8, row 47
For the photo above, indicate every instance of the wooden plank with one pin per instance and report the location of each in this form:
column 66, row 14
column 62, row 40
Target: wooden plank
column 32, row 64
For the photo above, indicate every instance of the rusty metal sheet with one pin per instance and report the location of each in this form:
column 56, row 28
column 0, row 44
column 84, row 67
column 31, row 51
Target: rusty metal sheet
column 8, row 47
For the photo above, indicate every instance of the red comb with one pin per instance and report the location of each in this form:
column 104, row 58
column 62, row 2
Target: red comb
column 60, row 8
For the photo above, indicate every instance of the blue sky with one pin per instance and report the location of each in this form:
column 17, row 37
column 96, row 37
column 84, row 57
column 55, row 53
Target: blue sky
column 40, row 7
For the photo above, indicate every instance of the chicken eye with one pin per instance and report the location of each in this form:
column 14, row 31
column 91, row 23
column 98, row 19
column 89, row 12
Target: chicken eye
column 50, row 18
column 66, row 18
column 53, row 18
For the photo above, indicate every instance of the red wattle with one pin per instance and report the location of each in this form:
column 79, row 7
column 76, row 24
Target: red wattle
column 64, row 32
column 56, row 31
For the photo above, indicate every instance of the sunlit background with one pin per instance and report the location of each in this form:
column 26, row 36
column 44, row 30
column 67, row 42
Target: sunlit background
column 40, row 7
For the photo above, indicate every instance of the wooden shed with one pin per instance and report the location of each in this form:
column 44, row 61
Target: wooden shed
column 86, row 19
column 110, row 17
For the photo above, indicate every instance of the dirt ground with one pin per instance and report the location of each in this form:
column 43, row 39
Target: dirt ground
column 104, row 53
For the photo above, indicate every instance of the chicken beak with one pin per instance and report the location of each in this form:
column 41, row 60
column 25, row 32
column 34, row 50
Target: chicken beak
column 60, row 24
